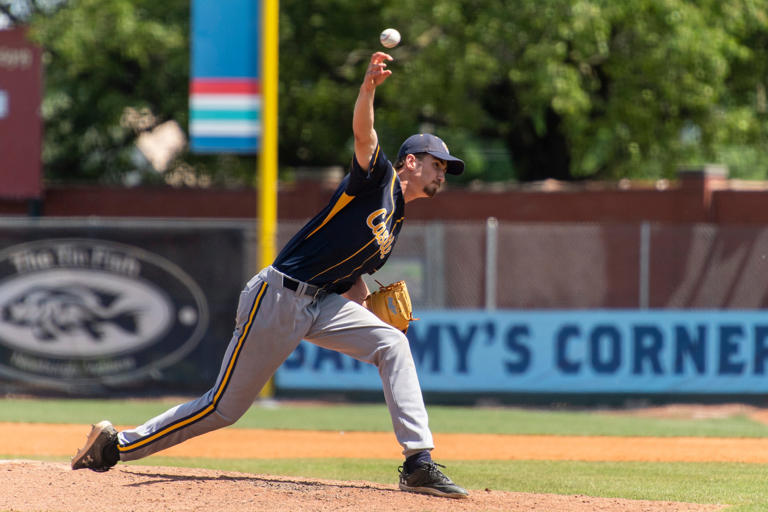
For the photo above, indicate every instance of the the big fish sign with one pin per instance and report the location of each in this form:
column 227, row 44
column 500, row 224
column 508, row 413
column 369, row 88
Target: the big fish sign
column 77, row 311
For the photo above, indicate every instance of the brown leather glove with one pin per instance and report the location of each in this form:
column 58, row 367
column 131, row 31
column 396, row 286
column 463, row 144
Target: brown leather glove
column 392, row 304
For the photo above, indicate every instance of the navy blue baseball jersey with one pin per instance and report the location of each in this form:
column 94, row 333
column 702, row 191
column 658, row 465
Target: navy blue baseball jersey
column 354, row 234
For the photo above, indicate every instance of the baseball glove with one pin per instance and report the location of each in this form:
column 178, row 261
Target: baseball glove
column 392, row 304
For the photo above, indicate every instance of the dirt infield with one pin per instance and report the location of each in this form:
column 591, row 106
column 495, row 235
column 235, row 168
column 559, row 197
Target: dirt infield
column 233, row 443
column 51, row 487
column 33, row 486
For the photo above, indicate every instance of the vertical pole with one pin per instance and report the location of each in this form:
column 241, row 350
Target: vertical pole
column 491, row 249
column 268, row 156
column 644, row 273
column 270, row 10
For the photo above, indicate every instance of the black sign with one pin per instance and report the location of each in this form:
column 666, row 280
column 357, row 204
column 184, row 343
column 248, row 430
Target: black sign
column 82, row 313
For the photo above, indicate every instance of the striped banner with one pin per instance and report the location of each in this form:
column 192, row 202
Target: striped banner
column 225, row 114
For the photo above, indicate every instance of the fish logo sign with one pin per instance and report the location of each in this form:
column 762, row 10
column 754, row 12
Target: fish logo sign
column 52, row 311
column 79, row 311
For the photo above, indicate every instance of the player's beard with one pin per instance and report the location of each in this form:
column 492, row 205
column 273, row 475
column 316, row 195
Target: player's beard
column 431, row 188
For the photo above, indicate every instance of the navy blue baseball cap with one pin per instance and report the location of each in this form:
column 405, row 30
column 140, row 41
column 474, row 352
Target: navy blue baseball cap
column 428, row 143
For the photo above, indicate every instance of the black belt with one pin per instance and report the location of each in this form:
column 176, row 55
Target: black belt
column 293, row 285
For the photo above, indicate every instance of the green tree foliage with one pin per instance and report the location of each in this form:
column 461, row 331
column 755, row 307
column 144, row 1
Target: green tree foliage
column 593, row 88
column 101, row 58
column 527, row 90
column 324, row 51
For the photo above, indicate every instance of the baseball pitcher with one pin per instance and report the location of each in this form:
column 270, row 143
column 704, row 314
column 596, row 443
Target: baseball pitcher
column 314, row 291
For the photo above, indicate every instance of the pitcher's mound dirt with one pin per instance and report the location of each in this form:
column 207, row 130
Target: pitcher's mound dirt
column 52, row 487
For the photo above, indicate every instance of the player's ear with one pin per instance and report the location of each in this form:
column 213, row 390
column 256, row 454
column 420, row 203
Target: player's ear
column 410, row 161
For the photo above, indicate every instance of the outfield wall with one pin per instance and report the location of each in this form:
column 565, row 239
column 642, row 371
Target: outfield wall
column 563, row 352
column 702, row 195
column 146, row 305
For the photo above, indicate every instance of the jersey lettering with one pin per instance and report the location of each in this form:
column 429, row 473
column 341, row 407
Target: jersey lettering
column 354, row 234
column 383, row 237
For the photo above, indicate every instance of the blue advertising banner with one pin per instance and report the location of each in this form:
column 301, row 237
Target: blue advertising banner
column 225, row 87
column 616, row 351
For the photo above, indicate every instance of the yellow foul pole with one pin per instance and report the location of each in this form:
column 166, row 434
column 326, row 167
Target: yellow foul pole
column 267, row 177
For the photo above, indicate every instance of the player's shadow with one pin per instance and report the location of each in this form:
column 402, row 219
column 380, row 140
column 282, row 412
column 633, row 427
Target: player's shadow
column 273, row 483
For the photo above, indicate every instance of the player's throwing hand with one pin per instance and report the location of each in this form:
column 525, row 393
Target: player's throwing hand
column 377, row 71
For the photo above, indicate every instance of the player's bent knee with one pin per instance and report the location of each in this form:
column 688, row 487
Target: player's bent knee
column 395, row 347
column 222, row 419
column 394, row 339
column 227, row 413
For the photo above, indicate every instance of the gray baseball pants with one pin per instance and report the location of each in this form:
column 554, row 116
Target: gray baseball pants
column 271, row 321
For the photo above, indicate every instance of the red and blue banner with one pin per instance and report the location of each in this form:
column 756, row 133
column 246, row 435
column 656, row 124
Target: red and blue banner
column 225, row 86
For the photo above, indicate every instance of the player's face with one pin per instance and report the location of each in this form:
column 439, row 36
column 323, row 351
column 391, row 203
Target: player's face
column 432, row 174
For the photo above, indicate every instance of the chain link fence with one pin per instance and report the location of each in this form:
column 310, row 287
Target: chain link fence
column 507, row 265
column 489, row 265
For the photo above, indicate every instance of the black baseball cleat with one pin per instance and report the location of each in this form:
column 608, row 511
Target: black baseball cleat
column 426, row 478
column 100, row 450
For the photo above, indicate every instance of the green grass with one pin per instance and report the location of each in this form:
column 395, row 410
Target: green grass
column 375, row 418
column 725, row 483
column 739, row 485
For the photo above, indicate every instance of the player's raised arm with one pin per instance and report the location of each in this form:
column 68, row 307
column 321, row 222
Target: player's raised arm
column 362, row 120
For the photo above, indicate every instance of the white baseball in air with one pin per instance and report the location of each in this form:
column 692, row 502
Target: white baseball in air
column 389, row 38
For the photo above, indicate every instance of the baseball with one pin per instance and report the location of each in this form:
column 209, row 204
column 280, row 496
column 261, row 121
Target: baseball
column 390, row 38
